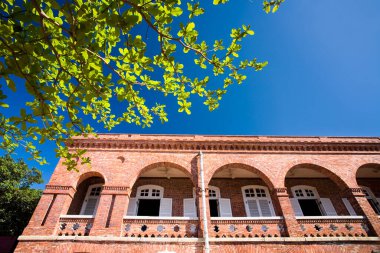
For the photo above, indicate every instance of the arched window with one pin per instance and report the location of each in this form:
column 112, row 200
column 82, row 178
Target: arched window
column 91, row 200
column 219, row 207
column 373, row 201
column 257, row 201
column 150, row 201
column 306, row 202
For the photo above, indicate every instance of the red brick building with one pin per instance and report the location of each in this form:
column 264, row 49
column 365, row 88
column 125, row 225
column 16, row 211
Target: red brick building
column 189, row 193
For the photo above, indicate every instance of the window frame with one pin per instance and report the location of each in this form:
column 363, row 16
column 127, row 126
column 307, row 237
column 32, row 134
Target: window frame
column 217, row 192
column 87, row 196
column 370, row 196
column 304, row 188
column 316, row 197
column 150, row 189
column 268, row 198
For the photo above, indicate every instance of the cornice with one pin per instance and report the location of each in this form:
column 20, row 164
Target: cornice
column 229, row 143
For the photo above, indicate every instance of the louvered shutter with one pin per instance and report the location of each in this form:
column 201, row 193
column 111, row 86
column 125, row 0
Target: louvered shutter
column 189, row 209
column 265, row 208
column 132, row 207
column 166, row 207
column 225, row 207
column 91, row 206
column 253, row 208
column 328, row 207
column 296, row 207
column 349, row 207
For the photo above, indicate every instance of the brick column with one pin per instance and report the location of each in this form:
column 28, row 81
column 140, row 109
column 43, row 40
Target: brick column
column 54, row 202
column 200, row 210
column 112, row 207
column 366, row 208
column 292, row 226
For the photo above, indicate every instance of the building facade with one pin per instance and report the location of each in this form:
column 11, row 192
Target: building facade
column 192, row 193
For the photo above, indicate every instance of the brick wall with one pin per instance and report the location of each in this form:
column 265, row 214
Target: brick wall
column 120, row 159
column 84, row 247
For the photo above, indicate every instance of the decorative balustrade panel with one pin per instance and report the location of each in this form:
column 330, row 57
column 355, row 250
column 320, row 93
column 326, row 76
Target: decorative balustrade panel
column 334, row 227
column 246, row 228
column 169, row 227
column 75, row 226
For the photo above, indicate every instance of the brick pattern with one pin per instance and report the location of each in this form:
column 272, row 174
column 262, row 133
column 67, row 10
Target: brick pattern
column 220, row 247
column 119, row 160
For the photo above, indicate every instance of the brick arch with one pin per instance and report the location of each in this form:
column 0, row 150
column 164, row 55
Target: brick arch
column 84, row 181
column 162, row 164
column 376, row 165
column 88, row 175
column 263, row 176
column 334, row 177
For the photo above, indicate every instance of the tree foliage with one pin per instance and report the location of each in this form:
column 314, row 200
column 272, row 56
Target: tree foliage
column 78, row 56
column 17, row 199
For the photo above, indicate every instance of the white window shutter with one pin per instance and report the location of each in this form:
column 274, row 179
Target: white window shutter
column 225, row 207
column 265, row 208
column 166, row 207
column 296, row 207
column 91, row 206
column 328, row 207
column 189, row 209
column 132, row 207
column 253, row 208
column 349, row 207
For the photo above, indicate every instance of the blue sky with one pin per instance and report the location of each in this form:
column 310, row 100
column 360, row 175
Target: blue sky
column 323, row 77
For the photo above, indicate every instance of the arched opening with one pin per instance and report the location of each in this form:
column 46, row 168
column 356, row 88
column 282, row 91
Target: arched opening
column 368, row 178
column 87, row 195
column 244, row 191
column 316, row 191
column 163, row 190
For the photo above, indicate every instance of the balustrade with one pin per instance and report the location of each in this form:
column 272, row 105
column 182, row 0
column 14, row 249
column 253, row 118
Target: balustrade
column 246, row 227
column 167, row 227
column 333, row 226
column 75, row 225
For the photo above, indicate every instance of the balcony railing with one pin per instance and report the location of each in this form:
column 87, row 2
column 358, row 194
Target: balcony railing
column 333, row 226
column 246, row 227
column 166, row 227
column 75, row 225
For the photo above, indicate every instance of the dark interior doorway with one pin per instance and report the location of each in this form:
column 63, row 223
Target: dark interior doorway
column 310, row 207
column 214, row 212
column 149, row 207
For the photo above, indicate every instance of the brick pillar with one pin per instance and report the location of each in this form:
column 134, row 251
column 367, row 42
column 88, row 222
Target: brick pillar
column 54, row 202
column 292, row 226
column 200, row 207
column 366, row 208
column 112, row 207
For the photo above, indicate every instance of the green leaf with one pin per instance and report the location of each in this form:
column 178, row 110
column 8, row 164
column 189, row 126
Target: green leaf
column 177, row 11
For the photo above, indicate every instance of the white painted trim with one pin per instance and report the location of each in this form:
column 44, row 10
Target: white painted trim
column 74, row 216
column 84, row 204
column 268, row 198
column 248, row 218
column 27, row 238
column 159, row 218
column 217, row 192
column 149, row 187
column 303, row 188
column 329, row 217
